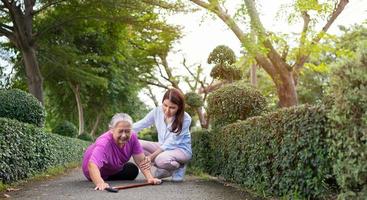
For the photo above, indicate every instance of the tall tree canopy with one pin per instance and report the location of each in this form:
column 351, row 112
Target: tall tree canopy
column 280, row 59
column 17, row 19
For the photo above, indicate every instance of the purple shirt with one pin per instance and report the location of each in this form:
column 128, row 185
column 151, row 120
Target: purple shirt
column 110, row 158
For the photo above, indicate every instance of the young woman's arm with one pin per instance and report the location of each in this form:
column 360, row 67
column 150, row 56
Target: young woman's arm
column 146, row 122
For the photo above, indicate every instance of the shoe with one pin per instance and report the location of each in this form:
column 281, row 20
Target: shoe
column 161, row 173
column 179, row 174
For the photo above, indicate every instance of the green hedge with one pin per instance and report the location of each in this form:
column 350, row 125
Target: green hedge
column 25, row 149
column 201, row 151
column 348, row 117
column 232, row 102
column 19, row 105
column 282, row 153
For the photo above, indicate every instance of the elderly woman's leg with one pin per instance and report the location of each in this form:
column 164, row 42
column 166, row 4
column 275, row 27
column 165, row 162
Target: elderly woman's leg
column 129, row 172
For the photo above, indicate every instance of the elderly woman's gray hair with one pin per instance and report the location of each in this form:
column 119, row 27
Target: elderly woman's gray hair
column 119, row 117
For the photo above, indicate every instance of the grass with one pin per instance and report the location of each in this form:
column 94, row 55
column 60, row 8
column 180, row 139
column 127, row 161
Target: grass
column 199, row 173
column 46, row 175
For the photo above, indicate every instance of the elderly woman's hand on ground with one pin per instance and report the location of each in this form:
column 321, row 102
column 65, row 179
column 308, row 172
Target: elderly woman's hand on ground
column 101, row 186
column 155, row 181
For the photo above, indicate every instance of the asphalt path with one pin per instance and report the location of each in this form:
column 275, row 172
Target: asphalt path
column 73, row 185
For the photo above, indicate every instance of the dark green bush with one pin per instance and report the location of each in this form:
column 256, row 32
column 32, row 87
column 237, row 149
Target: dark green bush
column 86, row 137
column 348, row 134
column 193, row 99
column 282, row 153
column 26, row 149
column 234, row 102
column 19, row 105
column 201, row 150
column 66, row 128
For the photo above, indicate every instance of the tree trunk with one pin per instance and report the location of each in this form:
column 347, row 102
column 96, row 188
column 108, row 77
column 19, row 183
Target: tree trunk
column 96, row 123
column 204, row 123
column 76, row 91
column 287, row 91
column 34, row 77
column 253, row 77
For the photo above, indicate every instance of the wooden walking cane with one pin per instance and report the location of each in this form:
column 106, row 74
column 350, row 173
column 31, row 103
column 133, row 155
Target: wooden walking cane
column 117, row 188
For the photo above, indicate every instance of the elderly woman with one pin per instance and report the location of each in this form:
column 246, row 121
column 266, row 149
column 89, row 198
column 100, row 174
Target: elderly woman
column 107, row 158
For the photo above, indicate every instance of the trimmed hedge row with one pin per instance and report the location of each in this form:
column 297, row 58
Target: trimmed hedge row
column 282, row 153
column 22, row 106
column 25, row 149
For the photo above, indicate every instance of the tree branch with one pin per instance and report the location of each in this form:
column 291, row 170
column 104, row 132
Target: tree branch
column 304, row 56
column 49, row 4
column 153, row 83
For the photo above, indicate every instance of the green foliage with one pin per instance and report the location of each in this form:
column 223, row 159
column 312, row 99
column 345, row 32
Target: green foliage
column 19, row 105
column 348, row 117
column 233, row 102
column 281, row 153
column 224, row 58
column 86, row 137
column 222, row 55
column 66, row 128
column 202, row 153
column 149, row 134
column 194, row 100
column 25, row 150
column 225, row 72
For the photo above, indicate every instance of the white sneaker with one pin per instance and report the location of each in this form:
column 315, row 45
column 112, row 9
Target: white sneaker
column 179, row 174
column 161, row 173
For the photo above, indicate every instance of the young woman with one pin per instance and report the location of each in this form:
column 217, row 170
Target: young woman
column 173, row 150
column 107, row 158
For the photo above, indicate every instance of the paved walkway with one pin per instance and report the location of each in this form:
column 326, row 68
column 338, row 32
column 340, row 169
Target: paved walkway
column 74, row 186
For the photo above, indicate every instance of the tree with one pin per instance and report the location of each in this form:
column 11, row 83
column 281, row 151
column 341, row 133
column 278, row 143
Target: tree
column 17, row 19
column 269, row 50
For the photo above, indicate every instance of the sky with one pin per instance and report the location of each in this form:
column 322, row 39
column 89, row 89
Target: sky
column 203, row 32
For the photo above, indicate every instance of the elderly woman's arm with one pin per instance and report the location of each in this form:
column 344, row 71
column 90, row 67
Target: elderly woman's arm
column 95, row 175
column 144, row 165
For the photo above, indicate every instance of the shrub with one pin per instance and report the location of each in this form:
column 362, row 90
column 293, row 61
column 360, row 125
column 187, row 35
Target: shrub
column 193, row 99
column 86, row 137
column 348, row 133
column 19, row 105
column 234, row 102
column 25, row 149
column 66, row 128
column 201, row 150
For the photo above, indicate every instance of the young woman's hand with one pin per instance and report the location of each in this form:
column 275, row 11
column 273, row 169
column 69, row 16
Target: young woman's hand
column 155, row 181
column 101, row 186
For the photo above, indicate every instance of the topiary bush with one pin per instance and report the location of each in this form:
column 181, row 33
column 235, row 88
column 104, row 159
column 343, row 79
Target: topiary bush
column 224, row 58
column 194, row 100
column 232, row 102
column 348, row 132
column 66, row 128
column 22, row 106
